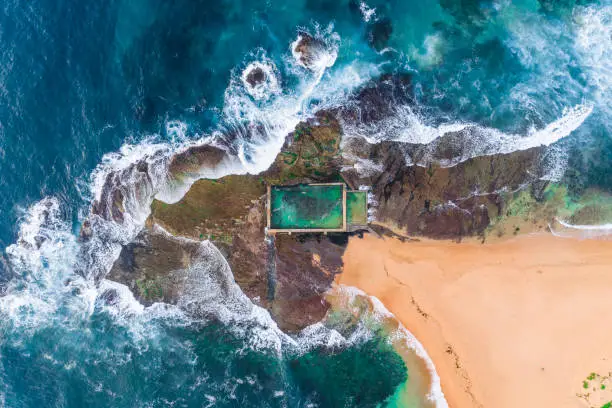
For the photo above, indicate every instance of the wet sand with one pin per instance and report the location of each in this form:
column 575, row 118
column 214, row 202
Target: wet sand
column 517, row 323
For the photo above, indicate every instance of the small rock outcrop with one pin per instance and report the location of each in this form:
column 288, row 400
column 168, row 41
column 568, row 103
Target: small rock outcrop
column 255, row 76
column 309, row 51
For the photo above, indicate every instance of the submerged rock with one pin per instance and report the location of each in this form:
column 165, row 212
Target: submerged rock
column 260, row 79
column 378, row 100
column 379, row 33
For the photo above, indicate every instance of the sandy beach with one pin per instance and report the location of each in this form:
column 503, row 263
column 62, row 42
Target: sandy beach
column 516, row 323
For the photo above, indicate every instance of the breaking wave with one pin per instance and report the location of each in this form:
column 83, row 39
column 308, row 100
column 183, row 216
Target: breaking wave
column 61, row 282
column 561, row 228
column 453, row 143
column 592, row 42
column 380, row 313
column 61, row 276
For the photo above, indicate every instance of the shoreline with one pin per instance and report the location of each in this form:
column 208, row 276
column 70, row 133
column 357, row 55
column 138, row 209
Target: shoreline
column 516, row 322
column 423, row 390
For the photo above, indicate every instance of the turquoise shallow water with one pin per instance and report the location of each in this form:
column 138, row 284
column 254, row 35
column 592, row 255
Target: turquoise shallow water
column 306, row 207
column 79, row 80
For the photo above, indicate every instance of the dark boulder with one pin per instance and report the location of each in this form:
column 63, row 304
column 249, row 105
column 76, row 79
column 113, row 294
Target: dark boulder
column 256, row 76
column 379, row 33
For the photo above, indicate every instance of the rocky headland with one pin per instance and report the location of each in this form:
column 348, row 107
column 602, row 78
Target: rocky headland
column 484, row 197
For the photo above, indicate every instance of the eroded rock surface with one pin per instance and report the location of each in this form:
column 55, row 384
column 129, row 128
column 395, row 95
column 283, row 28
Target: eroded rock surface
column 309, row 51
column 154, row 267
column 289, row 274
column 435, row 201
column 305, row 266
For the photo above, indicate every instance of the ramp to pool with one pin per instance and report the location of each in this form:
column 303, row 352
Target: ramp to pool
column 315, row 208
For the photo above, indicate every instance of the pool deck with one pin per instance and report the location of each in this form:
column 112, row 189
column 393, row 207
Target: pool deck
column 345, row 225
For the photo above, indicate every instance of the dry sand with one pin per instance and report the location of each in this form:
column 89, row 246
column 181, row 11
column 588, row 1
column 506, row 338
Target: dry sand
column 518, row 323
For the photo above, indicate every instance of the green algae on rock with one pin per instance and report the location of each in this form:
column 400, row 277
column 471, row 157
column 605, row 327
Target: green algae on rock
column 536, row 209
column 212, row 209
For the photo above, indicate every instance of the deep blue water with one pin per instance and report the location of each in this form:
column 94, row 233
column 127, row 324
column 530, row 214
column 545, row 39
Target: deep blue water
column 80, row 79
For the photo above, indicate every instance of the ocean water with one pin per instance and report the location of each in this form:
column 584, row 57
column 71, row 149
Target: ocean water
column 89, row 88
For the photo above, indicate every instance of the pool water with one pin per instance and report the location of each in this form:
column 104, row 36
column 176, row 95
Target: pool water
column 306, row 206
column 356, row 207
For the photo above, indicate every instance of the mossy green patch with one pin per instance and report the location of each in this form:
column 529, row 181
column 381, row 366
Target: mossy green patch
column 309, row 155
column 210, row 206
column 522, row 211
column 150, row 290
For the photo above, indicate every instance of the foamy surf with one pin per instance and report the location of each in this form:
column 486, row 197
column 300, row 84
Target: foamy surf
column 563, row 229
column 59, row 293
column 464, row 141
column 61, row 314
column 381, row 313
column 261, row 79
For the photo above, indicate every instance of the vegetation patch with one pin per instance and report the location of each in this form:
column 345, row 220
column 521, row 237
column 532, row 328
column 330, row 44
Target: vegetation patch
column 595, row 390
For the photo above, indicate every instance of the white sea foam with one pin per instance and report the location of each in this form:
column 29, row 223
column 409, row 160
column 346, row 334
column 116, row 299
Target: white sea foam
column 322, row 52
column 126, row 304
column 210, row 290
column 432, row 51
column 140, row 173
column 555, row 162
column 268, row 86
column 48, row 250
column 260, row 127
column 43, row 258
column 363, row 167
column 339, row 84
column 593, row 42
column 367, row 12
column 468, row 140
column 42, row 235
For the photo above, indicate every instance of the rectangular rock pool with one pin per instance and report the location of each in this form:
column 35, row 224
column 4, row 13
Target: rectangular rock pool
column 316, row 207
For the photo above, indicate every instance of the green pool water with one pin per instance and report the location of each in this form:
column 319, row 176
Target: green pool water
column 306, row 207
column 357, row 207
